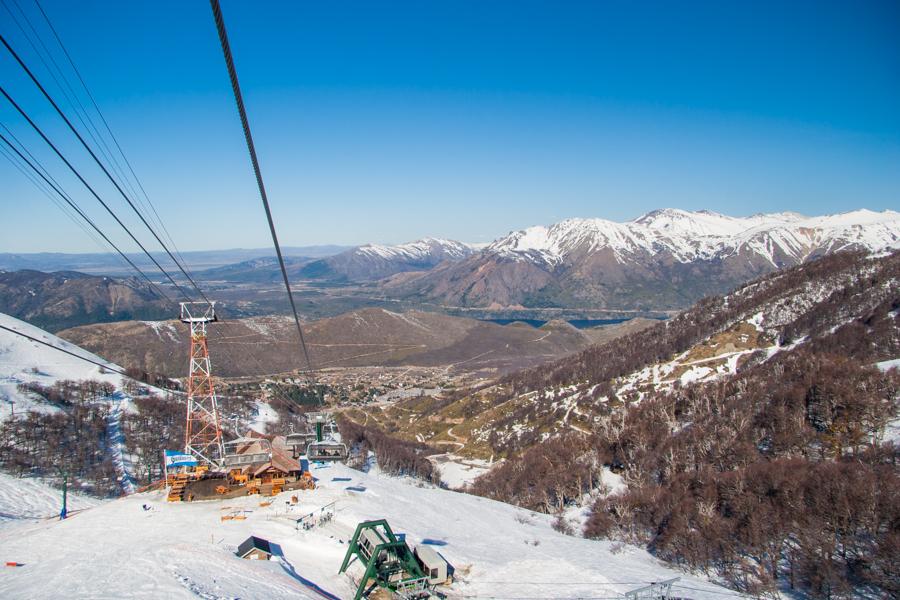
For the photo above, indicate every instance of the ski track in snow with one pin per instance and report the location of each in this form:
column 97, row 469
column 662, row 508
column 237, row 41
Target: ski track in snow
column 120, row 457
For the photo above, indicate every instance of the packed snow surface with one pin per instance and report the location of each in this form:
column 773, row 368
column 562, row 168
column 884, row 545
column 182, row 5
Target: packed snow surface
column 887, row 365
column 31, row 500
column 121, row 550
column 263, row 417
column 458, row 471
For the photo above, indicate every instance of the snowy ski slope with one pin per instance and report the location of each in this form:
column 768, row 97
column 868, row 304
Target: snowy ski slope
column 22, row 361
column 119, row 550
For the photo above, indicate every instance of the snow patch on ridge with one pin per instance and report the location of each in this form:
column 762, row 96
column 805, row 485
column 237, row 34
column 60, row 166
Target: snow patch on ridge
column 417, row 250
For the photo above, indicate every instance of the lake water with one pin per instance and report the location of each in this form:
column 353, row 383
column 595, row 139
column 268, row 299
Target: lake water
column 578, row 323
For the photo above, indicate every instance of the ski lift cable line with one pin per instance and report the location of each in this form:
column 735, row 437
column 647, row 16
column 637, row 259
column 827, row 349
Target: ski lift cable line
column 708, row 591
column 48, row 180
column 110, row 131
column 97, row 160
column 102, row 167
column 41, row 186
column 106, row 366
column 91, row 189
column 87, row 219
column 33, row 158
column 91, row 126
column 278, row 393
column 248, row 136
column 62, row 82
column 44, row 189
column 103, row 119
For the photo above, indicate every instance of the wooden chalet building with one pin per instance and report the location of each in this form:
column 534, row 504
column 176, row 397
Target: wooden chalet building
column 268, row 459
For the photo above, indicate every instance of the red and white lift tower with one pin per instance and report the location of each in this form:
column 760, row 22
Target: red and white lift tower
column 203, row 436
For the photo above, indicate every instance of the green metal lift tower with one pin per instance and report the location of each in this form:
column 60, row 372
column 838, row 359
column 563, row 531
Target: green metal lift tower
column 387, row 560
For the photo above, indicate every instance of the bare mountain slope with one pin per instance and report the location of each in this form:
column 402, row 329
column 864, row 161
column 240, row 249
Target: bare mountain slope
column 63, row 299
column 268, row 345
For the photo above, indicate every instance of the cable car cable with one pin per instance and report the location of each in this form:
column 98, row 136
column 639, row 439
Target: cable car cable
column 100, row 164
column 91, row 189
column 110, row 131
column 62, row 82
column 87, row 219
column 248, row 136
column 42, row 187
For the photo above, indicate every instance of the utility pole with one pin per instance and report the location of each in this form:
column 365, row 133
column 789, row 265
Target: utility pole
column 64, row 512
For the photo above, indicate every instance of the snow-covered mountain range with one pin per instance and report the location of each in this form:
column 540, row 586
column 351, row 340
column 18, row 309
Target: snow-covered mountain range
column 417, row 250
column 704, row 235
column 665, row 259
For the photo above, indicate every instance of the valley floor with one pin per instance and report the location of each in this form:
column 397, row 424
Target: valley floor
column 119, row 550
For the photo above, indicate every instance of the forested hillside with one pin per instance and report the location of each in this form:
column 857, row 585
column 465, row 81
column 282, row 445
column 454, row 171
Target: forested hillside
column 779, row 474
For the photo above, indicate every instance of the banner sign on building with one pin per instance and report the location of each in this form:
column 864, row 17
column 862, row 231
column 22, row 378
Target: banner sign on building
column 174, row 458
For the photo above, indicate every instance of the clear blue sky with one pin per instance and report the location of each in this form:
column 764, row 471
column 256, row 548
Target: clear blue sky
column 389, row 121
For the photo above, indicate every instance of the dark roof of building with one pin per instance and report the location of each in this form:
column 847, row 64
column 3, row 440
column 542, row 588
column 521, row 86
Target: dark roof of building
column 253, row 543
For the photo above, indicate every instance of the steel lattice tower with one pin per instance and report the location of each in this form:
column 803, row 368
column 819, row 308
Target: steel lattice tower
column 203, row 436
